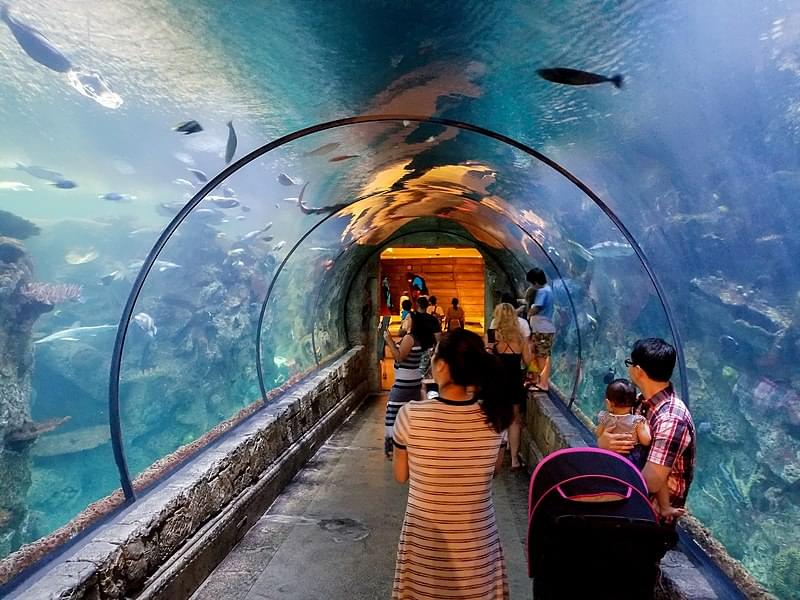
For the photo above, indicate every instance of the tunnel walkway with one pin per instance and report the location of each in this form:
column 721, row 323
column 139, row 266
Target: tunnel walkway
column 333, row 532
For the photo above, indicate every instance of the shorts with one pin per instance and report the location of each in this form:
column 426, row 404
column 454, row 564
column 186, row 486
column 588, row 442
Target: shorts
column 542, row 343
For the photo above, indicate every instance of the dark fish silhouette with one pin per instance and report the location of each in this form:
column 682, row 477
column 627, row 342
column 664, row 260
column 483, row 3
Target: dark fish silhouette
column 65, row 184
column 40, row 172
column 35, row 44
column 223, row 202
column 575, row 77
column 610, row 375
column 188, row 127
column 199, row 175
column 323, row 149
column 284, row 179
column 342, row 157
column 230, row 148
column 307, row 210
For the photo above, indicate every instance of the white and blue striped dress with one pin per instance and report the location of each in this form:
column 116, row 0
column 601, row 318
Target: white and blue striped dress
column 450, row 545
column 407, row 386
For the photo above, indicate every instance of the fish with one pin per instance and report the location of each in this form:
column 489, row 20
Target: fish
column 230, row 147
column 279, row 245
column 73, row 334
column 342, row 157
column 40, row 172
column 284, row 179
column 268, row 238
column 267, row 226
column 65, row 184
column 611, row 249
column 251, row 234
column 223, row 202
column 576, row 77
column 35, row 43
column 146, row 323
column 75, row 257
column 322, row 150
column 198, row 174
column 582, row 252
column 184, row 182
column 14, row 186
column 161, row 265
column 111, row 277
column 307, row 210
column 141, row 230
column 291, row 200
column 610, row 375
column 244, row 208
column 116, row 197
column 228, row 192
column 240, row 217
column 188, row 127
column 235, row 251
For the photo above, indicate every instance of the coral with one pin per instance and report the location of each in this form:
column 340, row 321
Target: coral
column 16, row 227
column 51, row 293
column 786, row 574
column 745, row 484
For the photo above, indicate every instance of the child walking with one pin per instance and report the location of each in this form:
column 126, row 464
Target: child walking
column 620, row 417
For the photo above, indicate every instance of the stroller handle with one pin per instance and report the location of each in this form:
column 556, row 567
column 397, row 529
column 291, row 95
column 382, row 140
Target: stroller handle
column 602, row 497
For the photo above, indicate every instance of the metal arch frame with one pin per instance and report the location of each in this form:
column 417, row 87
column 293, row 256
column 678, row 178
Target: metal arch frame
column 127, row 313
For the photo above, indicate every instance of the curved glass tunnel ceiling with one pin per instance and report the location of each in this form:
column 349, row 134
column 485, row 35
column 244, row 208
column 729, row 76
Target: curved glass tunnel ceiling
column 697, row 154
column 299, row 241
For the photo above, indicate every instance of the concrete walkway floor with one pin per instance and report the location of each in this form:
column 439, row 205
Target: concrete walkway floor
column 332, row 534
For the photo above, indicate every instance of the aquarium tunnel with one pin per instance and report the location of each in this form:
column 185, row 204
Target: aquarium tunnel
column 196, row 218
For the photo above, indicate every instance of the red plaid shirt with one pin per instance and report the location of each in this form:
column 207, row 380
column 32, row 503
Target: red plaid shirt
column 673, row 442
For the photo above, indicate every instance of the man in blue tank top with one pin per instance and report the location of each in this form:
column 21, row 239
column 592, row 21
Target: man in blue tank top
column 539, row 298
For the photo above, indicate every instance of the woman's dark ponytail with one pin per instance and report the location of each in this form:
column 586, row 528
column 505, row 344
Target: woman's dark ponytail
column 471, row 365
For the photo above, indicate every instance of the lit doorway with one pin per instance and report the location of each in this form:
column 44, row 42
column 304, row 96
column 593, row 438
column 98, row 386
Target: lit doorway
column 447, row 273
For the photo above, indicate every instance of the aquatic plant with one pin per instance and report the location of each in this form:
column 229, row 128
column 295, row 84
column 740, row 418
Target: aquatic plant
column 51, row 293
column 786, row 574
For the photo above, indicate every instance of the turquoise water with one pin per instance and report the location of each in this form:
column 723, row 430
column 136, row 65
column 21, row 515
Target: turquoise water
column 697, row 154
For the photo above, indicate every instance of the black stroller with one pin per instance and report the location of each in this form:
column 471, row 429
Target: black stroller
column 592, row 532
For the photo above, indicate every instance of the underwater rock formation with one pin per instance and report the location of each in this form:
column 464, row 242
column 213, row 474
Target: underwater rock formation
column 17, row 316
column 16, row 227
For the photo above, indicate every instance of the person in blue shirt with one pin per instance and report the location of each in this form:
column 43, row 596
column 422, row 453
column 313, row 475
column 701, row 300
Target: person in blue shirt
column 539, row 297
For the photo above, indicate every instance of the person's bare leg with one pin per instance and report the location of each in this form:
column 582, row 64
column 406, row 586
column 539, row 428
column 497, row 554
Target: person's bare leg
column 514, row 434
column 543, row 362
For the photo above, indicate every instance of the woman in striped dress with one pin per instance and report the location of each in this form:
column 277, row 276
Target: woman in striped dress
column 407, row 374
column 450, row 446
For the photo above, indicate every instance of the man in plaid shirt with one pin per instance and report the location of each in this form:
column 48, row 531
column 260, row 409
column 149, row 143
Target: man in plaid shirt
column 671, row 457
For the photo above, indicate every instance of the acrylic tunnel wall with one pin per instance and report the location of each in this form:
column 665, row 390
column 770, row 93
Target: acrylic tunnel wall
column 245, row 288
column 697, row 154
